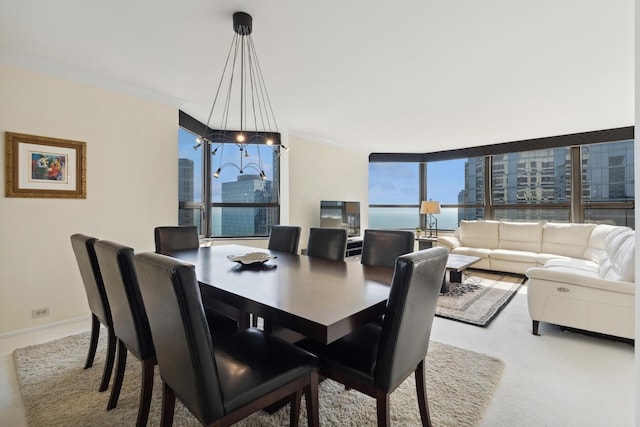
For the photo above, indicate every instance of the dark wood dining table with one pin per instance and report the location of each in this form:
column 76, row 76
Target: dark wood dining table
column 321, row 299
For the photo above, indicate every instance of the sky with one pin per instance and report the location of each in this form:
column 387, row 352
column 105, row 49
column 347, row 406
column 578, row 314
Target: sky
column 398, row 183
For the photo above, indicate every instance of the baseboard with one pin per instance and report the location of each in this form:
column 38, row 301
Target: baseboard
column 84, row 319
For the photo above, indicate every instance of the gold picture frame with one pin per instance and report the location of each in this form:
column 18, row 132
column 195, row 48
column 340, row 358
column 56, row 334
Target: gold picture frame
column 38, row 166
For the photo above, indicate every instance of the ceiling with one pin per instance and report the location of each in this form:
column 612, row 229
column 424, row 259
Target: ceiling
column 376, row 75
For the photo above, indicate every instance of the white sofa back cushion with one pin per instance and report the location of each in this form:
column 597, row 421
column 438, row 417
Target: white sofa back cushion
column 597, row 241
column 618, row 263
column 479, row 234
column 520, row 236
column 566, row 239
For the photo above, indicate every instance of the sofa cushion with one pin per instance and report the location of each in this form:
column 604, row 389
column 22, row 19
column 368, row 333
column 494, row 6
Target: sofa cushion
column 595, row 248
column 543, row 258
column 520, row 236
column 514, row 256
column 479, row 234
column 574, row 264
column 465, row 250
column 566, row 239
column 618, row 264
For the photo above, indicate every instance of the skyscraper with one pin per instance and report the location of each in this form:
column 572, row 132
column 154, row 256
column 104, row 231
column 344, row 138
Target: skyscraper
column 247, row 221
column 185, row 190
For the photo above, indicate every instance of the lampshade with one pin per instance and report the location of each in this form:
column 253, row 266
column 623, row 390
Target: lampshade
column 245, row 87
column 430, row 207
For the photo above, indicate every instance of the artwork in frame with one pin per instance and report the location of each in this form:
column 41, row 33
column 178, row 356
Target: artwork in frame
column 38, row 166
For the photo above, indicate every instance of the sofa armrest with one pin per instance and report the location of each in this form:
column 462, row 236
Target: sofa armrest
column 578, row 279
column 449, row 242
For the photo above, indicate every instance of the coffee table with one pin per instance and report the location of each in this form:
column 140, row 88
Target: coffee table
column 456, row 264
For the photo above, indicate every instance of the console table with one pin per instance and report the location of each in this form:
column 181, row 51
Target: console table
column 354, row 246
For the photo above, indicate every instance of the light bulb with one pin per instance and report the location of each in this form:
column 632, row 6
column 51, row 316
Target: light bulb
column 216, row 174
column 240, row 137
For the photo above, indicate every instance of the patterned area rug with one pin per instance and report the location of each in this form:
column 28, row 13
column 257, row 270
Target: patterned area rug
column 58, row 392
column 479, row 298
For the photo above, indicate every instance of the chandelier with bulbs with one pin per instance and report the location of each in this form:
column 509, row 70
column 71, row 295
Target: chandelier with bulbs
column 242, row 90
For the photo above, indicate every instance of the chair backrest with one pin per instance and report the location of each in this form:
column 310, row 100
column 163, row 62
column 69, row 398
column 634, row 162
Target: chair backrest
column 176, row 238
column 285, row 238
column 329, row 243
column 411, row 306
column 383, row 247
column 184, row 349
column 83, row 247
column 130, row 322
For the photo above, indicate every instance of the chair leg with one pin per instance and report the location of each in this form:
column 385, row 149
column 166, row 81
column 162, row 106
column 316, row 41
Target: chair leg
column 294, row 413
column 145, row 392
column 382, row 408
column 311, row 400
column 93, row 344
column 168, row 406
column 108, row 364
column 121, row 364
column 421, row 389
column 534, row 327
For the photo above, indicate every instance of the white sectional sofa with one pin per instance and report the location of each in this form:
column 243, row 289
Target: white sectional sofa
column 579, row 275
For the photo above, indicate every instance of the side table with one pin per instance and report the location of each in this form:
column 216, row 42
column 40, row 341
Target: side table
column 426, row 242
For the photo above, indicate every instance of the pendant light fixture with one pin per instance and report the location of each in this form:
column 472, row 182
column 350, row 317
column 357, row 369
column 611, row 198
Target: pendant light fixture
column 242, row 90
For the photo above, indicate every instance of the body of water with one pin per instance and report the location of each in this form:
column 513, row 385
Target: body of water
column 409, row 218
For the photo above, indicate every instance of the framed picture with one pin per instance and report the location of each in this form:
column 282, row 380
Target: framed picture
column 37, row 166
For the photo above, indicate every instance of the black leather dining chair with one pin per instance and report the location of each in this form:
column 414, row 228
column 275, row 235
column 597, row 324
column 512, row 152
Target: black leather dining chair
column 130, row 321
column 176, row 238
column 376, row 359
column 383, row 247
column 329, row 243
column 284, row 238
column 83, row 248
column 221, row 381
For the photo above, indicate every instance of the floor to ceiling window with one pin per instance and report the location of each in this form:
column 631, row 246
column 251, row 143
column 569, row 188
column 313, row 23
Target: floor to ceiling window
column 608, row 183
column 394, row 190
column 221, row 189
column 586, row 177
column 532, row 185
column 458, row 185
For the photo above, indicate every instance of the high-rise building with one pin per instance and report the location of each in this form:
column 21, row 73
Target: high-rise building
column 247, row 221
column 544, row 177
column 185, row 190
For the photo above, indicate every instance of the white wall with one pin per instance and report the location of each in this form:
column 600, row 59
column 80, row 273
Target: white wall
column 131, row 187
column 324, row 172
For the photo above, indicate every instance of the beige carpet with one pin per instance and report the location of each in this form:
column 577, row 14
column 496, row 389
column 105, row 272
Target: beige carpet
column 480, row 296
column 58, row 392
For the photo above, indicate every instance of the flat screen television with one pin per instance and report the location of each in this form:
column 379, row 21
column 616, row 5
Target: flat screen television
column 341, row 214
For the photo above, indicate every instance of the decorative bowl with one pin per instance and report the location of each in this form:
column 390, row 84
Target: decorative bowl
column 251, row 258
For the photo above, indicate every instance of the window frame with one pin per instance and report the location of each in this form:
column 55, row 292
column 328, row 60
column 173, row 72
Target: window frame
column 206, row 207
column 574, row 141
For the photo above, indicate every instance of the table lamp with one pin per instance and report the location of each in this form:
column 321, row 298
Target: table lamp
column 430, row 208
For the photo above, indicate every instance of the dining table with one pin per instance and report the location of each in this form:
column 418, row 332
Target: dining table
column 321, row 299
